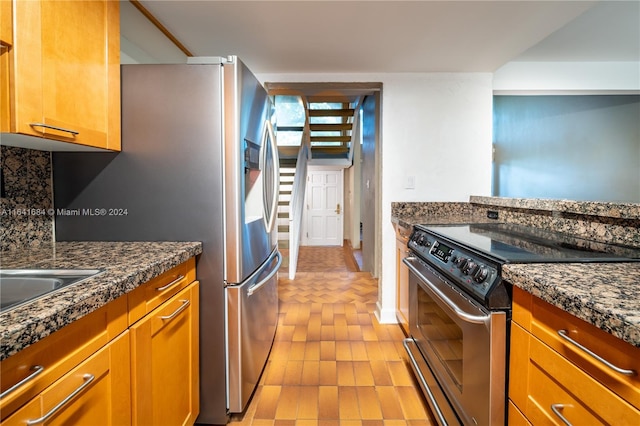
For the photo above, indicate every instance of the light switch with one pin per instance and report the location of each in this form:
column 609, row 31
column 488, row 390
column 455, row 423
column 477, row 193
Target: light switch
column 410, row 182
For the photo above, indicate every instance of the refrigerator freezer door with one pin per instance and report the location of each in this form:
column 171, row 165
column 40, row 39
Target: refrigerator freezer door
column 252, row 317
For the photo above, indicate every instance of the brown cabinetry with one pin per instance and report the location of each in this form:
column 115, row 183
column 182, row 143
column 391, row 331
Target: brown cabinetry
column 133, row 361
column 563, row 369
column 164, row 362
column 60, row 77
column 27, row 374
column 402, row 277
column 95, row 392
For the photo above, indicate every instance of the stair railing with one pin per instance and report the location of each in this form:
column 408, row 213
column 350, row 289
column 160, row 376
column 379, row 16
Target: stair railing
column 355, row 129
column 296, row 205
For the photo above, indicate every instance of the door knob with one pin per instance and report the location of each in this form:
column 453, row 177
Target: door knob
column 337, row 210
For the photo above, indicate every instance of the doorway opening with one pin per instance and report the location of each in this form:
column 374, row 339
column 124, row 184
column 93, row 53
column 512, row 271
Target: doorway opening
column 341, row 204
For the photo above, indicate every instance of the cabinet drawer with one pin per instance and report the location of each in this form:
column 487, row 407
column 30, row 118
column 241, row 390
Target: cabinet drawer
column 152, row 294
column 555, row 383
column 551, row 324
column 402, row 233
column 95, row 392
column 516, row 418
column 42, row 363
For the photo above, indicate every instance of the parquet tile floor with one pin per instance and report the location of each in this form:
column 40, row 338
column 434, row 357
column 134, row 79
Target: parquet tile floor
column 332, row 363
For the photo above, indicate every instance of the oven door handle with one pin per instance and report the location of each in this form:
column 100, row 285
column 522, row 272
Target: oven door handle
column 460, row 313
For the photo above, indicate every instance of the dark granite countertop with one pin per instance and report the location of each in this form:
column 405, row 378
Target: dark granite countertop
column 127, row 265
column 602, row 294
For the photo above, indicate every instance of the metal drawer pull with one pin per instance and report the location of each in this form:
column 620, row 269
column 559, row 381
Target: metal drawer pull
column 61, row 129
column 184, row 305
column 170, row 284
column 88, row 378
column 37, row 369
column 563, row 334
column 556, row 410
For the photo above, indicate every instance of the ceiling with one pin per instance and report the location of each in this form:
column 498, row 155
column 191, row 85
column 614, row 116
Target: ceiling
column 386, row 36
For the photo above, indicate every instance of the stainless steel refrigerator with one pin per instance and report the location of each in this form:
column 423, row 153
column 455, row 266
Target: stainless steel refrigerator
column 198, row 163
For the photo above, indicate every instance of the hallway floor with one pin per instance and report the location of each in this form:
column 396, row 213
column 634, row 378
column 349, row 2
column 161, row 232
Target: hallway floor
column 332, row 363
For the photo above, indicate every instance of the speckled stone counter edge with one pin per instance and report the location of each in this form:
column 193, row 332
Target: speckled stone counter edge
column 590, row 208
column 127, row 265
column 603, row 295
column 605, row 222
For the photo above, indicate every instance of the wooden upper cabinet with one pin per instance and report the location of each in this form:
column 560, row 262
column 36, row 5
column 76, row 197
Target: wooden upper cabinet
column 65, row 71
column 6, row 26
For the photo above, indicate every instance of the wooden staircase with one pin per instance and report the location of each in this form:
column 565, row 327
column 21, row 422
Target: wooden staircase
column 331, row 121
column 287, row 173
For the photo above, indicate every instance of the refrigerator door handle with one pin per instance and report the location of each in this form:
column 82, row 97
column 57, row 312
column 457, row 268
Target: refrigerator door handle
column 270, row 205
column 257, row 286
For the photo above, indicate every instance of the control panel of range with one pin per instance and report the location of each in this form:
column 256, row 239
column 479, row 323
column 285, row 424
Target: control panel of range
column 469, row 270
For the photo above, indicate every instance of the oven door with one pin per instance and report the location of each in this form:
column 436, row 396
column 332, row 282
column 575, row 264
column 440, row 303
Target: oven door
column 463, row 345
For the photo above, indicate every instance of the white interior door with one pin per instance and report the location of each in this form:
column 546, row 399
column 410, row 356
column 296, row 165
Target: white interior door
column 325, row 208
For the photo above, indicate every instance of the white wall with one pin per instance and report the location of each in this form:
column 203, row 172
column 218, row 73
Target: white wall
column 437, row 128
column 567, row 77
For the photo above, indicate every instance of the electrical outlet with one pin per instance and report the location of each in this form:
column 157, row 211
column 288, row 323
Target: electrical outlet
column 492, row 214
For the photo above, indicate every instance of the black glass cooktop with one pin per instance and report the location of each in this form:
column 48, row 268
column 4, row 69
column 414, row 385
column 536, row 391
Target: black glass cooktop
column 513, row 243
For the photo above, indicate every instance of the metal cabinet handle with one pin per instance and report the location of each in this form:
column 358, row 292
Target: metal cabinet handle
column 556, row 410
column 457, row 310
column 170, row 284
column 37, row 369
column 61, row 129
column 563, row 334
column 185, row 303
column 88, row 378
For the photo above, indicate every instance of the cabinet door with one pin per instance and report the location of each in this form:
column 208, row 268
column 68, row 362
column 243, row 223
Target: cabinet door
column 402, row 277
column 402, row 283
column 95, row 392
column 6, row 26
column 164, row 363
column 66, row 71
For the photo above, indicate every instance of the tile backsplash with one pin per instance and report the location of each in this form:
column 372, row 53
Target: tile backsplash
column 26, row 215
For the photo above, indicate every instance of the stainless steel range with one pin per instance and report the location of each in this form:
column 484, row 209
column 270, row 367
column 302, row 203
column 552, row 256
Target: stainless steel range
column 460, row 309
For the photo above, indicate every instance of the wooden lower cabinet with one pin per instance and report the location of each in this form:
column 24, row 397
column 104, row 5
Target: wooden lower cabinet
column 133, row 361
column 551, row 382
column 402, row 278
column 164, row 362
column 96, row 392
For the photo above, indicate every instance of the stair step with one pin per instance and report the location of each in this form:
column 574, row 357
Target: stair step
column 335, row 99
column 283, row 228
column 283, row 244
column 283, row 215
column 283, row 203
column 331, row 112
column 330, row 138
column 285, row 192
column 330, row 127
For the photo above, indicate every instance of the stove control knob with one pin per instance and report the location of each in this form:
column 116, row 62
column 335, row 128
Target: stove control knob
column 461, row 263
column 469, row 267
column 480, row 275
column 472, row 268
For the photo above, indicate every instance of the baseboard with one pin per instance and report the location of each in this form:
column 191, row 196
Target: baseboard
column 385, row 316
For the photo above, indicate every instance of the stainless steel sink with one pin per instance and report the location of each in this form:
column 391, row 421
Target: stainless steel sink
column 18, row 286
